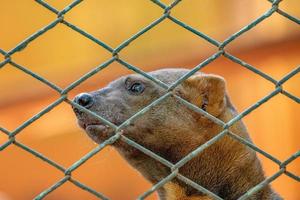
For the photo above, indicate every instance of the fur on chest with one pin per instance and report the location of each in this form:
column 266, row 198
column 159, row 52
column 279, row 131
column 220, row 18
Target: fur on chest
column 174, row 191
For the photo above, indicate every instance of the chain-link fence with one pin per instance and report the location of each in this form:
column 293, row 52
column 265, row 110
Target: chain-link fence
column 166, row 9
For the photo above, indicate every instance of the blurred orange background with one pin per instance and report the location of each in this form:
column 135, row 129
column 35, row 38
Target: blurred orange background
column 61, row 55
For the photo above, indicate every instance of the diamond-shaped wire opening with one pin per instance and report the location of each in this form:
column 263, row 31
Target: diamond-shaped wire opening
column 264, row 32
column 62, row 44
column 110, row 168
column 209, row 22
column 117, row 29
column 15, row 78
column 21, row 25
column 163, row 44
column 38, row 174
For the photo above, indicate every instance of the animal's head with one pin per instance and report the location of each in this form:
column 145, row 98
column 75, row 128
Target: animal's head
column 165, row 124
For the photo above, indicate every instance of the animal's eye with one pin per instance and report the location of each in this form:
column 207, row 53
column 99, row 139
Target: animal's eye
column 136, row 88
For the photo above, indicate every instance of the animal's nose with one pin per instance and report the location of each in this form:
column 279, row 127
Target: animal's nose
column 84, row 99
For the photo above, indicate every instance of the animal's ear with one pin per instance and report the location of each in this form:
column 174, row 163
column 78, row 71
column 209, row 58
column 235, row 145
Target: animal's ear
column 205, row 91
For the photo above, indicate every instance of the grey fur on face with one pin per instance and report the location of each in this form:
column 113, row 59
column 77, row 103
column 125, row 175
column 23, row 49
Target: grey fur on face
column 117, row 104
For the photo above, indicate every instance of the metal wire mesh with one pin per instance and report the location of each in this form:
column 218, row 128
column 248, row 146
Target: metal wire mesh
column 274, row 7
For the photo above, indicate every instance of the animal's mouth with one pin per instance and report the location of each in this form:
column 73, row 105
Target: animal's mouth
column 96, row 130
column 86, row 126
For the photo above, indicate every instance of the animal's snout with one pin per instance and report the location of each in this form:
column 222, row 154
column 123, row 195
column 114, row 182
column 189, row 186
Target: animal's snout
column 84, row 99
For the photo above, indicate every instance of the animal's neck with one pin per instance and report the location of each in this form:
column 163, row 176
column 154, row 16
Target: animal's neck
column 216, row 168
column 227, row 168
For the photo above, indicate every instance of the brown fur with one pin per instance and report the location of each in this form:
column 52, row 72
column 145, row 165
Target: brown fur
column 176, row 192
column 171, row 130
